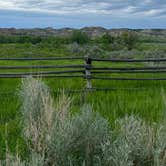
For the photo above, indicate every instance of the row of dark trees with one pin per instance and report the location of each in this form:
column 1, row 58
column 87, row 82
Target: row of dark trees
column 20, row 39
column 127, row 39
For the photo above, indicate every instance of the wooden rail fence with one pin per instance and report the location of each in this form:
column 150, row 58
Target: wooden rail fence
column 86, row 71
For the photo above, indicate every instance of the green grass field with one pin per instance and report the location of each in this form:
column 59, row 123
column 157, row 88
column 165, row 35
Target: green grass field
column 147, row 102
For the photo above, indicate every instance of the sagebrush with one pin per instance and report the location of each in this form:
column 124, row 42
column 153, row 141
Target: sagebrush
column 59, row 137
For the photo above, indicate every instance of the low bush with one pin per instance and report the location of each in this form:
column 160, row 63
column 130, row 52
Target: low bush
column 85, row 50
column 79, row 37
column 55, row 133
column 56, row 136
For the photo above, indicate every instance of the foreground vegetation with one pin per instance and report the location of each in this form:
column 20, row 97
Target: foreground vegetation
column 56, row 136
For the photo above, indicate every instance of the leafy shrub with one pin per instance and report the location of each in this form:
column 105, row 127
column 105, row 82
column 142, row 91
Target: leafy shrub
column 159, row 151
column 129, row 39
column 95, row 51
column 123, row 54
column 75, row 48
column 132, row 144
column 137, row 136
column 107, row 39
column 53, row 131
column 78, row 140
column 79, row 37
column 38, row 112
column 86, row 50
column 116, row 153
column 136, row 143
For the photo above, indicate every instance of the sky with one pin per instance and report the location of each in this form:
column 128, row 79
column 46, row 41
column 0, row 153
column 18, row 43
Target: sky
column 82, row 13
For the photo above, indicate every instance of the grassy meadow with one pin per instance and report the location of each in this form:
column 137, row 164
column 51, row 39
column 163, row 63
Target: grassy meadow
column 146, row 100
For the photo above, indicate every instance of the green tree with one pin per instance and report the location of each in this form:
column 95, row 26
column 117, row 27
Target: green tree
column 107, row 39
column 129, row 39
column 80, row 37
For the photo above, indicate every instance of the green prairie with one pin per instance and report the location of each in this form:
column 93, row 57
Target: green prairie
column 146, row 99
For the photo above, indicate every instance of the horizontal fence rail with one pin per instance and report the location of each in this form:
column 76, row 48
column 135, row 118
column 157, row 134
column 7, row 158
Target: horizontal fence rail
column 41, row 59
column 130, row 60
column 42, row 67
column 127, row 79
column 42, row 76
column 45, row 73
column 87, row 71
column 129, row 71
column 126, row 68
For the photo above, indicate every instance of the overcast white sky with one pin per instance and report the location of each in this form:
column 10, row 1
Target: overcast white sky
column 80, row 13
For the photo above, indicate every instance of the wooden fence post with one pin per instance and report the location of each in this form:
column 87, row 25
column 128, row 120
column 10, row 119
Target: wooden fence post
column 88, row 63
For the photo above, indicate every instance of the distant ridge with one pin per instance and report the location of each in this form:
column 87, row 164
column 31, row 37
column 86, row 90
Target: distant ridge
column 91, row 31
